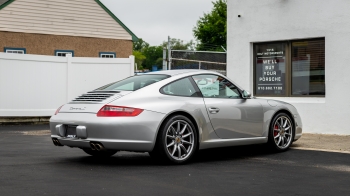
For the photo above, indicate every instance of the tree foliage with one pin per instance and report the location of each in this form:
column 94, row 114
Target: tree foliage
column 146, row 56
column 178, row 44
column 140, row 44
column 152, row 53
column 210, row 30
column 139, row 58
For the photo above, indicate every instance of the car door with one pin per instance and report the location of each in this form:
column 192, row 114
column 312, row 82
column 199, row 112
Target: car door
column 231, row 116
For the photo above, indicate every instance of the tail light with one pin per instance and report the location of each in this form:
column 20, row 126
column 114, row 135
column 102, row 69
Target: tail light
column 115, row 111
column 58, row 110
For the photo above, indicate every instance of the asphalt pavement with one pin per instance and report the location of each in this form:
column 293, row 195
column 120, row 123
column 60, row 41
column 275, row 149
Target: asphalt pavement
column 31, row 165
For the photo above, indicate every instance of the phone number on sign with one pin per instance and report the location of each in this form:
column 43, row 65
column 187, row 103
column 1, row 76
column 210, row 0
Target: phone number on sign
column 271, row 88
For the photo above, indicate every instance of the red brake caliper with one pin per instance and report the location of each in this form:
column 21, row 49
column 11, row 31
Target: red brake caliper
column 275, row 132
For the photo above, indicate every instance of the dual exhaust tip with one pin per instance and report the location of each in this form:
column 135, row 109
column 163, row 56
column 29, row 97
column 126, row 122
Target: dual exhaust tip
column 94, row 145
column 56, row 142
column 97, row 146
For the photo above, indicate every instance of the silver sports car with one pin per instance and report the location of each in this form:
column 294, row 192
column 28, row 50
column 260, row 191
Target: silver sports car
column 171, row 115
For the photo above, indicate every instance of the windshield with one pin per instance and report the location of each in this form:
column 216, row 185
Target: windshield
column 133, row 83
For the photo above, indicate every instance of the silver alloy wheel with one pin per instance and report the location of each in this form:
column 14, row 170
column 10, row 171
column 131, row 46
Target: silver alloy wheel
column 283, row 132
column 179, row 140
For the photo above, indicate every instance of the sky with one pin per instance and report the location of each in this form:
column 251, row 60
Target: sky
column 155, row 20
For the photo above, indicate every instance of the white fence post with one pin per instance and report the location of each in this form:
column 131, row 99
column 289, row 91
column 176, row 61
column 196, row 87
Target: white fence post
column 132, row 63
column 69, row 63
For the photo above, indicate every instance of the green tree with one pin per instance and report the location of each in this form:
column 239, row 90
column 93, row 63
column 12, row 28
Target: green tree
column 211, row 28
column 140, row 44
column 178, row 44
column 146, row 56
column 152, row 53
column 139, row 58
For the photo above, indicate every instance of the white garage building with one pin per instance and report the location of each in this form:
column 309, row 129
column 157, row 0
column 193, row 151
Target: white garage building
column 296, row 51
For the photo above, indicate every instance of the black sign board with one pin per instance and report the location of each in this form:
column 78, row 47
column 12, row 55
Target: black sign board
column 270, row 69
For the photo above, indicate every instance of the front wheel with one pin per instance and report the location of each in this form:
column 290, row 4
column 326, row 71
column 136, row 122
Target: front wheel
column 281, row 132
column 177, row 140
column 96, row 153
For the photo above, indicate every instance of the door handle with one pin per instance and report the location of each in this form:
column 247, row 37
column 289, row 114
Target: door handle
column 213, row 110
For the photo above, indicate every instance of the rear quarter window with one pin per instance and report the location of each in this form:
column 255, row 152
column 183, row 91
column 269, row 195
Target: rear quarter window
column 134, row 83
column 182, row 87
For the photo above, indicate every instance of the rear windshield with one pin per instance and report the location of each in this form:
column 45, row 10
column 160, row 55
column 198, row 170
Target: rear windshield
column 134, row 83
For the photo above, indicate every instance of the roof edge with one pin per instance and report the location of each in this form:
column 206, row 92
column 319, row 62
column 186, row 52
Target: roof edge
column 6, row 4
column 134, row 37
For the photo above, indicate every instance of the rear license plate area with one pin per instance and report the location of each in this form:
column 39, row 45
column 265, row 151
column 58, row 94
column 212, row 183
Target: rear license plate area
column 71, row 131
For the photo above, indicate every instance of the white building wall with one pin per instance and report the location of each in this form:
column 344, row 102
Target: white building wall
column 278, row 20
column 35, row 85
column 61, row 17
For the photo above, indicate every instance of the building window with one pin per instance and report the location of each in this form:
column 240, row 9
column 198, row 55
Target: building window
column 63, row 52
column 108, row 55
column 15, row 50
column 290, row 68
column 308, row 67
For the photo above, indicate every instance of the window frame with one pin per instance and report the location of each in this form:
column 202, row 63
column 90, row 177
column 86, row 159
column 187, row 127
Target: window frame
column 64, row 51
column 198, row 92
column 108, row 53
column 15, row 49
column 240, row 91
column 289, row 69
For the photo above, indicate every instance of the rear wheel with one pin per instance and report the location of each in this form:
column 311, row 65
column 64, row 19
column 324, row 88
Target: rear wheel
column 95, row 153
column 281, row 132
column 177, row 140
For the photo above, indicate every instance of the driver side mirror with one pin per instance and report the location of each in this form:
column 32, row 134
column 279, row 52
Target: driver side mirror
column 246, row 94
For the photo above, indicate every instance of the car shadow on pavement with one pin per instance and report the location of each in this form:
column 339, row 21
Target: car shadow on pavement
column 232, row 153
column 143, row 159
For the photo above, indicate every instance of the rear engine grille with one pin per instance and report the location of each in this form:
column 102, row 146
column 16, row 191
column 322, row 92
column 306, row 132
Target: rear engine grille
column 93, row 97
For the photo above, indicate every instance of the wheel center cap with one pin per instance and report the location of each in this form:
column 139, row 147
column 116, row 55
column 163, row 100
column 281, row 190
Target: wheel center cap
column 282, row 132
column 177, row 139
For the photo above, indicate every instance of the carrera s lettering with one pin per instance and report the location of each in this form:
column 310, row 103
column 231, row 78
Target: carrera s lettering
column 72, row 108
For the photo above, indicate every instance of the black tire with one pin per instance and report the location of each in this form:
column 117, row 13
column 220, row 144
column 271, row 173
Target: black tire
column 162, row 152
column 281, row 131
column 96, row 153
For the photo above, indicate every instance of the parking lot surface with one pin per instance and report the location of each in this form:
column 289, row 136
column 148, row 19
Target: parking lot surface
column 31, row 165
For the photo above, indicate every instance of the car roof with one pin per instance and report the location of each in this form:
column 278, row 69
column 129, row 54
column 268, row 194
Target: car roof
column 180, row 71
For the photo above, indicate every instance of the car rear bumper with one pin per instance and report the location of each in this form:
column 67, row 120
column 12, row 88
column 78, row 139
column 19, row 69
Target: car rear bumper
column 114, row 133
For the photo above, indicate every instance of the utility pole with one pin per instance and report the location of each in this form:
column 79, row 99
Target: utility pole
column 164, row 59
column 169, row 54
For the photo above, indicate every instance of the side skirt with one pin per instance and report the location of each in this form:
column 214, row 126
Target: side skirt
column 216, row 143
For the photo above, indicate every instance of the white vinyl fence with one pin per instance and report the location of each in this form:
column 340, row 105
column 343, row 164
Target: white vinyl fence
column 36, row 85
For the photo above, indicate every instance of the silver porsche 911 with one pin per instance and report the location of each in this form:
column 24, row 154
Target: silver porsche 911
column 171, row 115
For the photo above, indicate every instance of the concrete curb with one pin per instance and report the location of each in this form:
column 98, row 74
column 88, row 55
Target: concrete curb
column 319, row 149
column 24, row 120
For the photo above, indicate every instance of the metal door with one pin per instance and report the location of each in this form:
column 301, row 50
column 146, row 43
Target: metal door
column 231, row 116
column 235, row 118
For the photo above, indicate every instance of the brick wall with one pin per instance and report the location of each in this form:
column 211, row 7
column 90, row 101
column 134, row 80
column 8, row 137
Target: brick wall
column 47, row 44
